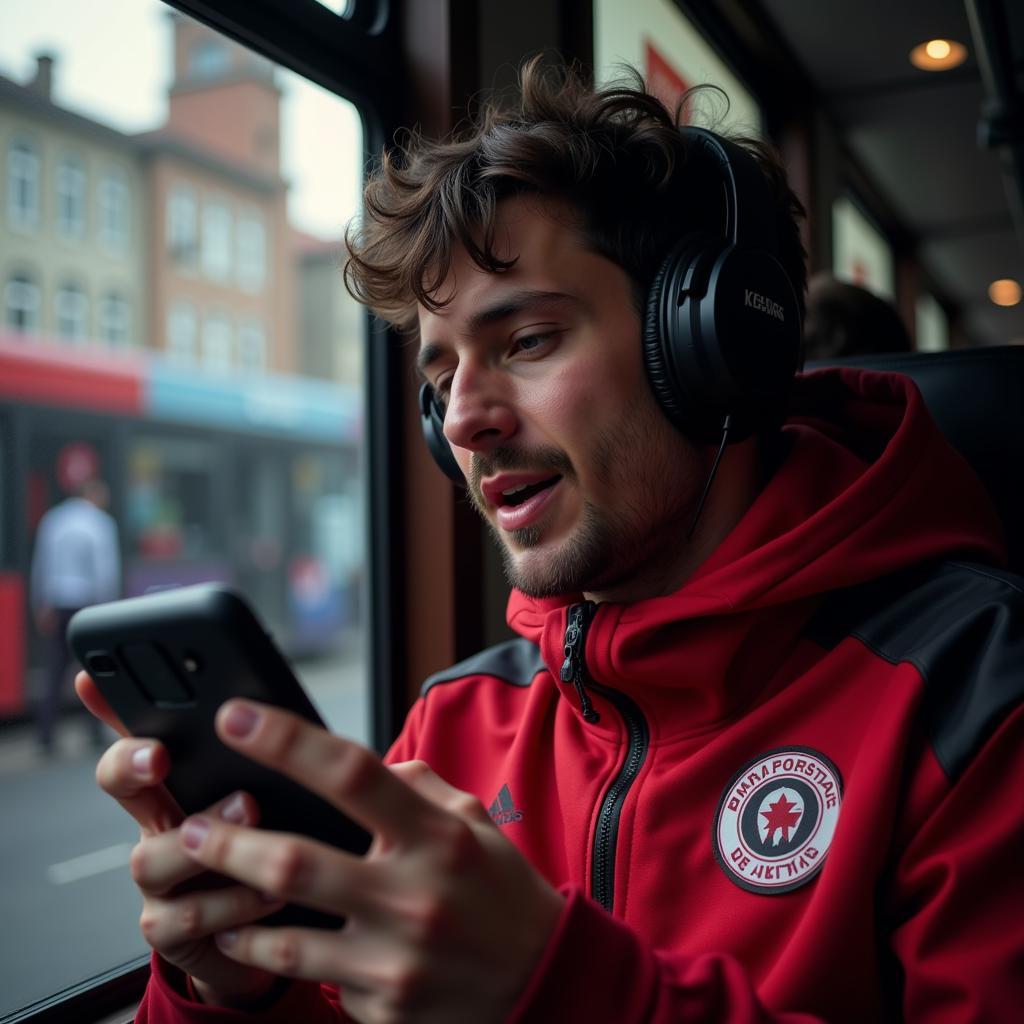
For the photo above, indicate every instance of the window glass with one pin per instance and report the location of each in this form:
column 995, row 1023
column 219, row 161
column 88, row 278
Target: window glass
column 182, row 234
column 252, row 255
column 71, row 199
column 252, row 346
column 72, row 312
column 22, row 184
column 213, row 383
column 114, row 210
column 217, row 343
column 21, row 303
column 861, row 254
column 216, row 252
column 655, row 37
column 115, row 321
column 181, row 334
column 931, row 324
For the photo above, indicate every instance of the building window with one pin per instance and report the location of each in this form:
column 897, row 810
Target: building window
column 71, row 199
column 252, row 251
column 114, row 211
column 252, row 346
column 217, row 343
column 209, row 58
column 115, row 320
column 181, row 334
column 21, row 303
column 22, row 184
column 72, row 312
column 216, row 241
column 182, row 236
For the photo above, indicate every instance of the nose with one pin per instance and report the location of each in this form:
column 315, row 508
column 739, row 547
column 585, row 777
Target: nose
column 480, row 414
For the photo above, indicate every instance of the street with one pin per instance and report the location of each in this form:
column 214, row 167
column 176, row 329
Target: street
column 68, row 907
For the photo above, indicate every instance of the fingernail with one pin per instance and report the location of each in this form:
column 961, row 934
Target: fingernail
column 226, row 939
column 234, row 810
column 193, row 832
column 142, row 760
column 240, row 720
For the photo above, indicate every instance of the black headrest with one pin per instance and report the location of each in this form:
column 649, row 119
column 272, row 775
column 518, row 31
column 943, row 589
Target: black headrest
column 976, row 396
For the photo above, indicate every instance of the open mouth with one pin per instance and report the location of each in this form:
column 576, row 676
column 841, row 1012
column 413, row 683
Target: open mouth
column 516, row 496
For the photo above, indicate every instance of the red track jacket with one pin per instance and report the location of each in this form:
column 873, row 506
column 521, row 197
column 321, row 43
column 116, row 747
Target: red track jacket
column 793, row 789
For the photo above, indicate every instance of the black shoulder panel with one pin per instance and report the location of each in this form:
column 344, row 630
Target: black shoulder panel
column 961, row 626
column 515, row 662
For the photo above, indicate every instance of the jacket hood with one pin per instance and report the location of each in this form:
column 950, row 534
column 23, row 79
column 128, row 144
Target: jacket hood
column 868, row 486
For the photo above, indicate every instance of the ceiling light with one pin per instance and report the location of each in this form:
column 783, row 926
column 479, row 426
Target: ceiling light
column 1004, row 292
column 938, row 55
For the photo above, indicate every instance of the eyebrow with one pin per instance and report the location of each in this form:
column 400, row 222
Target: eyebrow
column 508, row 306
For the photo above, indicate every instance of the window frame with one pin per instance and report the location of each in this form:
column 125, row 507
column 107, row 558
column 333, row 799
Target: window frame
column 359, row 58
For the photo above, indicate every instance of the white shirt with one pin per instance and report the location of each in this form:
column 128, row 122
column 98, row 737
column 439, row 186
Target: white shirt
column 77, row 561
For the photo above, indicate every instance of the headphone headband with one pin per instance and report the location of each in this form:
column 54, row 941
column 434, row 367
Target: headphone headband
column 747, row 221
column 721, row 333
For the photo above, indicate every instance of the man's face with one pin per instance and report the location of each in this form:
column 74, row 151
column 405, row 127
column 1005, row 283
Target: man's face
column 580, row 476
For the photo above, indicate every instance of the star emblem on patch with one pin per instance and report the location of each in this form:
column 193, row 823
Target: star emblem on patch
column 776, row 819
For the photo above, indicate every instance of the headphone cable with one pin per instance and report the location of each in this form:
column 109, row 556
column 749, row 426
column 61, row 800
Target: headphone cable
column 726, row 424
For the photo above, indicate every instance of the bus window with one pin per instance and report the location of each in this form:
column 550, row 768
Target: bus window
column 208, row 372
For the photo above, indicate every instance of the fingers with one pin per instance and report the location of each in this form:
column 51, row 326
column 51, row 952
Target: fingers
column 131, row 771
column 159, row 864
column 90, row 696
column 166, row 924
column 344, row 773
column 353, row 963
column 295, row 868
column 419, row 776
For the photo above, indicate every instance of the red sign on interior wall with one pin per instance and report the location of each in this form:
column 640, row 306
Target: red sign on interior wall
column 664, row 81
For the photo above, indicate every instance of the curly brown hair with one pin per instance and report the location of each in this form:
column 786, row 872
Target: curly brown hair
column 615, row 154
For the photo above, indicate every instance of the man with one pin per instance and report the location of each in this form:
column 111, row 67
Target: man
column 715, row 790
column 76, row 562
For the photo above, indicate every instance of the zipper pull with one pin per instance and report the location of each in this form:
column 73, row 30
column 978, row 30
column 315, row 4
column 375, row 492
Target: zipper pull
column 574, row 667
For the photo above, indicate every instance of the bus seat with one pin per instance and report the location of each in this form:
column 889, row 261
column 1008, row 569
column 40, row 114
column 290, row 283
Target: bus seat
column 976, row 396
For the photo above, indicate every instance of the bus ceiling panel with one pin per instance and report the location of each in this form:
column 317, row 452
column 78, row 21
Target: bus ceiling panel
column 920, row 149
column 849, row 46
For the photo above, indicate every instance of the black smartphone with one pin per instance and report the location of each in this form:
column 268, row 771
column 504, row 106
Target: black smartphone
column 166, row 662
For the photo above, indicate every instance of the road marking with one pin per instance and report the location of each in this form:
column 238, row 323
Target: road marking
column 89, row 864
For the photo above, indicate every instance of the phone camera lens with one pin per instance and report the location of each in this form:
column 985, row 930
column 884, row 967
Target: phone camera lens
column 191, row 663
column 101, row 665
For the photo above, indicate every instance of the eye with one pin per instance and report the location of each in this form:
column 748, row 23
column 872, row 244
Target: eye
column 530, row 344
column 440, row 389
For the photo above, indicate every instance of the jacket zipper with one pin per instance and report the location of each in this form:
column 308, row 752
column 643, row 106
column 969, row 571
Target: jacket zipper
column 574, row 670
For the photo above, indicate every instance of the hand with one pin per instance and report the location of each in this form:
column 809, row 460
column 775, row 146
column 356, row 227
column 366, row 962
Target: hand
column 183, row 905
column 445, row 918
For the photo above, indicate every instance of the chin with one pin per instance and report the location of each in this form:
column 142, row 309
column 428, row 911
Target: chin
column 553, row 568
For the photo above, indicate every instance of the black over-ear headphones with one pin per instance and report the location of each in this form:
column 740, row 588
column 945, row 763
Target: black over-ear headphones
column 721, row 334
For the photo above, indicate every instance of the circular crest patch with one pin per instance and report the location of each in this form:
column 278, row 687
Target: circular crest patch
column 776, row 820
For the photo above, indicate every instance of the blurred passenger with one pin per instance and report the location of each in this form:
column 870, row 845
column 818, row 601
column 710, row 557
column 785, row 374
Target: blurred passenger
column 77, row 562
column 846, row 320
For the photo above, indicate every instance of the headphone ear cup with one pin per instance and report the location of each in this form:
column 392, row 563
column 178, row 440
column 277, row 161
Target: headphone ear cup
column 432, row 423
column 661, row 342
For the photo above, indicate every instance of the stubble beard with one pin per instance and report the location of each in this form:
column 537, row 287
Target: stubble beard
column 658, row 495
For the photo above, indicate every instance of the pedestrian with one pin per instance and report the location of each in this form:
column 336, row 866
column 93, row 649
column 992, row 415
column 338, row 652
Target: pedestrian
column 76, row 562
